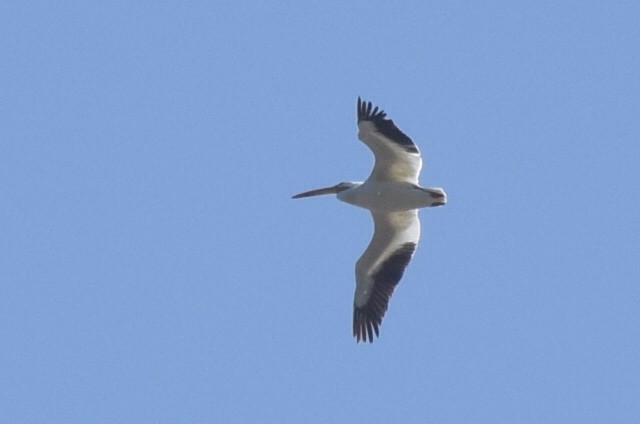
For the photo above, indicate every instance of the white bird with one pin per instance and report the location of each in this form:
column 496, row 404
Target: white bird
column 393, row 196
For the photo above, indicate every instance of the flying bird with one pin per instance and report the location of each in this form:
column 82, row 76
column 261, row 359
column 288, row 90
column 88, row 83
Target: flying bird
column 393, row 196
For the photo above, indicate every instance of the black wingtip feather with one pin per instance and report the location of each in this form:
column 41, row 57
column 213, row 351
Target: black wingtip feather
column 385, row 126
column 368, row 318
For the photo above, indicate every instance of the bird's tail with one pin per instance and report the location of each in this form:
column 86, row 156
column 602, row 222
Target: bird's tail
column 437, row 195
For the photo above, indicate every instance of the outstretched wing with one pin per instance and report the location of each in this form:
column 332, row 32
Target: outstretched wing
column 381, row 267
column 397, row 156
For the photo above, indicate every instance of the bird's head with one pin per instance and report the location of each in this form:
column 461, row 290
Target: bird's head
column 327, row 190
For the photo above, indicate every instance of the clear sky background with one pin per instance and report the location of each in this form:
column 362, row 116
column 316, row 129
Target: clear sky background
column 155, row 270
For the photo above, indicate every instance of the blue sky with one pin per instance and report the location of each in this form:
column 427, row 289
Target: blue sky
column 155, row 270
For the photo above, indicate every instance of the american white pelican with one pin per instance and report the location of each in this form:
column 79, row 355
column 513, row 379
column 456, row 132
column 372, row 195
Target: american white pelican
column 393, row 196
